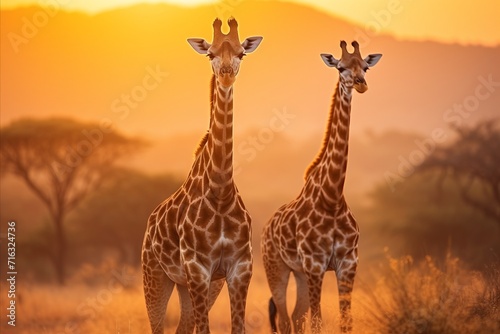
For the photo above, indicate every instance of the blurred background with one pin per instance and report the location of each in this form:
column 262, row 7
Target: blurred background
column 103, row 104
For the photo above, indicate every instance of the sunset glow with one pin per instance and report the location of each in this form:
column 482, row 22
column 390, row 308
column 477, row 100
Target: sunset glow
column 446, row 21
column 84, row 83
column 94, row 6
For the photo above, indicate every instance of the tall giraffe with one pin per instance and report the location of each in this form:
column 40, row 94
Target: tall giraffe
column 316, row 232
column 202, row 233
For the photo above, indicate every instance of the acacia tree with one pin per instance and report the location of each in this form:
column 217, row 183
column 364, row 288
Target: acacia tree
column 133, row 196
column 473, row 162
column 61, row 161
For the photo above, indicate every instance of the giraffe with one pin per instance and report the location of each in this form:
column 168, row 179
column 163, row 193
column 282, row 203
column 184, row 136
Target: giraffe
column 200, row 237
column 316, row 232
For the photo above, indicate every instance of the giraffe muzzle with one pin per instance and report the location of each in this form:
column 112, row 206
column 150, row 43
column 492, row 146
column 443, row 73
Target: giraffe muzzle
column 226, row 70
column 360, row 85
column 359, row 81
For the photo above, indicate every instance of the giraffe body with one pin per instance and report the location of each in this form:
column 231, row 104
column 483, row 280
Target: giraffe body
column 200, row 237
column 316, row 232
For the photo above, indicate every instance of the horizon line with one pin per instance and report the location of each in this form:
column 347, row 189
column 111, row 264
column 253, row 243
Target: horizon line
column 207, row 3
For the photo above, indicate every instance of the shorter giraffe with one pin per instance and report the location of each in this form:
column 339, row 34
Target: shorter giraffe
column 316, row 232
column 201, row 235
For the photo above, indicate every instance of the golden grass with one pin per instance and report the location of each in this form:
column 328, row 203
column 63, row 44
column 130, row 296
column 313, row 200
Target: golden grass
column 432, row 297
column 424, row 297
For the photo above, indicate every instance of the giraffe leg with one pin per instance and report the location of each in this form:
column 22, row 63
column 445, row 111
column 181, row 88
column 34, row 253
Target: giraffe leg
column 314, row 282
column 237, row 284
column 186, row 322
column 278, row 289
column 215, row 289
column 157, row 291
column 198, row 279
column 302, row 303
column 278, row 274
column 345, row 282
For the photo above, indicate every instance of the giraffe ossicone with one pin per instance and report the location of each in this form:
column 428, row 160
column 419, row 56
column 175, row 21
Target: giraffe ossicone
column 200, row 237
column 316, row 232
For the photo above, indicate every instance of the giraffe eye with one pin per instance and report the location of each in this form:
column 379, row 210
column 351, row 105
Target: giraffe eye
column 341, row 69
column 366, row 69
column 210, row 56
column 241, row 55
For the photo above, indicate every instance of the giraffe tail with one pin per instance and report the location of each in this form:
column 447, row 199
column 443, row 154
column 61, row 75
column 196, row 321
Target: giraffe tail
column 272, row 315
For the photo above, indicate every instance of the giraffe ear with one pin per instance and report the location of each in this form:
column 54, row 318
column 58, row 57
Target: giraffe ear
column 329, row 60
column 199, row 45
column 373, row 59
column 251, row 43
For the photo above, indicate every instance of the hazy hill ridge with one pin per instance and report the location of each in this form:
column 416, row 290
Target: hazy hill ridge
column 77, row 64
column 133, row 66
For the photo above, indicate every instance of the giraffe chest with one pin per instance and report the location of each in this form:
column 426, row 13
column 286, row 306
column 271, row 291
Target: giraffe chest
column 214, row 233
column 311, row 239
column 185, row 230
column 308, row 235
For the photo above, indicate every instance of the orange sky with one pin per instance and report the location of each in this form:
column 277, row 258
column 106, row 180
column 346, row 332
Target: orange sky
column 89, row 68
column 466, row 22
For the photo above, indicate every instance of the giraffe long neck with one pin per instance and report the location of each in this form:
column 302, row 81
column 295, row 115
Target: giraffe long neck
column 220, row 141
column 331, row 164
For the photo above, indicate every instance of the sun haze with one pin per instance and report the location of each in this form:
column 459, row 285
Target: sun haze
column 445, row 21
column 94, row 6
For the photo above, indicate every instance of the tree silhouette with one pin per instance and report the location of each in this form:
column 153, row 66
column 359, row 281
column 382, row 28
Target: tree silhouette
column 473, row 162
column 132, row 196
column 61, row 161
column 422, row 219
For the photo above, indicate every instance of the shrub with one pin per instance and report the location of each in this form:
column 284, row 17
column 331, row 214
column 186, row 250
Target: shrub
column 428, row 297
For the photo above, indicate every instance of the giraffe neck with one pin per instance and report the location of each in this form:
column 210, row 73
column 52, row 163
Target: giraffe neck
column 332, row 163
column 219, row 146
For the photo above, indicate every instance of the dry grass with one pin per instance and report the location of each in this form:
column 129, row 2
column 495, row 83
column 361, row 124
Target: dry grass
column 429, row 297
column 110, row 305
column 425, row 297
column 108, row 299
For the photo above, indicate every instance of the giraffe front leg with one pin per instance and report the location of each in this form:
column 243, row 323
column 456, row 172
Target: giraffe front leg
column 237, row 284
column 186, row 322
column 302, row 303
column 278, row 274
column 157, row 291
column 314, row 283
column 215, row 289
column 345, row 283
column 198, row 279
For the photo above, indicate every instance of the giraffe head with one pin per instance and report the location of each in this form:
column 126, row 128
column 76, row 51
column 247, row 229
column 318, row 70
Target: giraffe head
column 226, row 51
column 351, row 66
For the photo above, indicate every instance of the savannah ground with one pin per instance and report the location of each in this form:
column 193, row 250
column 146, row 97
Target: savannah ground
column 402, row 296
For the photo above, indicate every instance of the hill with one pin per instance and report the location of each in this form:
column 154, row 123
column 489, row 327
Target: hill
column 133, row 67
column 83, row 66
